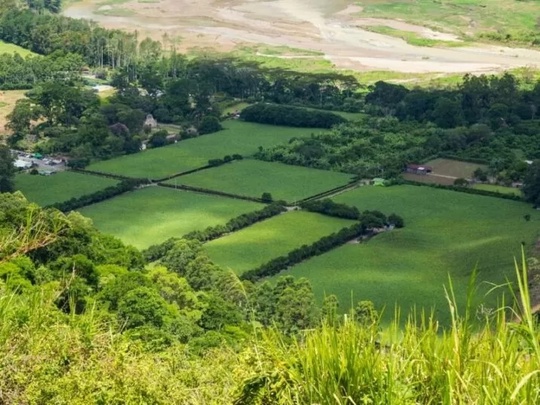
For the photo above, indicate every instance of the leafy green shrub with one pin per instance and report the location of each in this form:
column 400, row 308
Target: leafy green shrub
column 209, row 124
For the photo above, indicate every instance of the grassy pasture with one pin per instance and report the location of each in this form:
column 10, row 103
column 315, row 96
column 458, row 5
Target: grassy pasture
column 59, row 187
column 446, row 233
column 11, row 49
column 238, row 137
column 154, row 214
column 454, row 168
column 498, row 189
column 251, row 178
column 263, row 241
column 462, row 17
column 411, row 37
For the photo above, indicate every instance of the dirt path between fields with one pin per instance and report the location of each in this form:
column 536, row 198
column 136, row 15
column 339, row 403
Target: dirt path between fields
column 331, row 27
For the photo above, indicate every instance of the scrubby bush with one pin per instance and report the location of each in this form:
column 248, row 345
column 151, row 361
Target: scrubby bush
column 209, row 124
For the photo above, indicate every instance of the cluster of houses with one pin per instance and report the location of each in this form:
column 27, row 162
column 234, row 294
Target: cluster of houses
column 45, row 166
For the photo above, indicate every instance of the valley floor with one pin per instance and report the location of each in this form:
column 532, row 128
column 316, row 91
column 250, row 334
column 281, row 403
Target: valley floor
column 336, row 31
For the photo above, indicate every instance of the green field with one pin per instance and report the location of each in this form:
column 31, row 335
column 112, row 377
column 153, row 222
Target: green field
column 462, row 17
column 412, row 37
column 446, row 233
column 253, row 177
column 11, row 49
column 154, row 214
column 59, row 187
column 239, row 137
column 498, row 189
column 266, row 240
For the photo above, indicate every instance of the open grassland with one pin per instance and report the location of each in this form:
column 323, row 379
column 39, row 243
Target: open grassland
column 12, row 49
column 462, row 17
column 251, row 178
column 250, row 247
column 454, row 168
column 498, row 189
column 412, row 37
column 59, row 187
column 154, row 214
column 239, row 137
column 446, row 233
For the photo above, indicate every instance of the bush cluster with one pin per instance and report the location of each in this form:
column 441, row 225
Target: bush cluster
column 101, row 195
column 292, row 116
column 331, row 208
column 226, row 159
column 235, row 224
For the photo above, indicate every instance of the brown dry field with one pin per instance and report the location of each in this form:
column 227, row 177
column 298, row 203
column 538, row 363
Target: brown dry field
column 429, row 179
column 334, row 28
column 454, row 168
column 7, row 102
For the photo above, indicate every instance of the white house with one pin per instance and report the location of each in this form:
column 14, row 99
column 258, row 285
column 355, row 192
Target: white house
column 22, row 164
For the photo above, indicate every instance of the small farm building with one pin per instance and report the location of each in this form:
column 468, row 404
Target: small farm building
column 418, row 169
column 22, row 164
column 377, row 181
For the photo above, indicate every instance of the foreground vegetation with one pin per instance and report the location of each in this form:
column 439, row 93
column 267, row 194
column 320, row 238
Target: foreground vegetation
column 67, row 358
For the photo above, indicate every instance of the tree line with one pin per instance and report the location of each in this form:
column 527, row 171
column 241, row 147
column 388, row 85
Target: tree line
column 235, row 224
column 274, row 114
column 17, row 73
column 101, row 195
column 368, row 221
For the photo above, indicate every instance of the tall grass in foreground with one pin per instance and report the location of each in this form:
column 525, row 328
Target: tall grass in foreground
column 496, row 363
column 48, row 357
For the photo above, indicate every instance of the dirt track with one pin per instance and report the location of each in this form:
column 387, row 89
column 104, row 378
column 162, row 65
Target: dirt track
column 327, row 26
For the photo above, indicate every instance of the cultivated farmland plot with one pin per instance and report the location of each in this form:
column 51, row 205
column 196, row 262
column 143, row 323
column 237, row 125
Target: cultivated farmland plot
column 446, row 171
column 250, row 247
column 154, row 214
column 251, row 178
column 238, row 137
column 446, row 234
column 59, row 187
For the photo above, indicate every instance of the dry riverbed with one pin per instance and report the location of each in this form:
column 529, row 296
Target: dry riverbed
column 334, row 28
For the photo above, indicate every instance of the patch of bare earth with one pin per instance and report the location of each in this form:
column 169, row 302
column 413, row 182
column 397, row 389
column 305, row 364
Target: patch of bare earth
column 7, row 103
column 333, row 28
